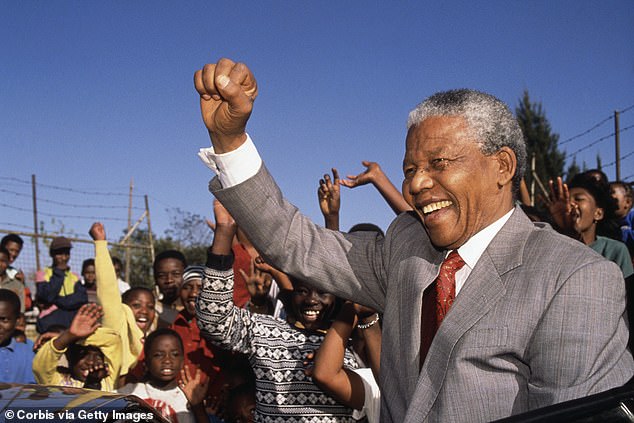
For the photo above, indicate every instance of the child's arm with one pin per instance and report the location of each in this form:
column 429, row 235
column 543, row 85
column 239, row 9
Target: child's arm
column 116, row 315
column 45, row 361
column 328, row 373
column 195, row 389
column 219, row 319
column 370, row 329
column 329, row 197
column 374, row 174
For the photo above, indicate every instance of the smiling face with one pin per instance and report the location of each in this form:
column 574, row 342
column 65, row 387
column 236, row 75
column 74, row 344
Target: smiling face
column 8, row 320
column 312, row 308
column 4, row 262
column 164, row 360
column 14, row 250
column 586, row 213
column 142, row 304
column 90, row 358
column 188, row 294
column 455, row 189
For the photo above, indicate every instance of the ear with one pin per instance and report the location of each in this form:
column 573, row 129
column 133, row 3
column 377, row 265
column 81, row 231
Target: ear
column 598, row 214
column 507, row 164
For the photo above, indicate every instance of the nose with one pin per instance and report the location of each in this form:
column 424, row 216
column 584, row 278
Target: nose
column 313, row 297
column 420, row 181
column 195, row 290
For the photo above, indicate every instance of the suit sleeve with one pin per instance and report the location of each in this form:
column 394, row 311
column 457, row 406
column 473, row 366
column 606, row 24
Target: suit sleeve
column 350, row 266
column 580, row 345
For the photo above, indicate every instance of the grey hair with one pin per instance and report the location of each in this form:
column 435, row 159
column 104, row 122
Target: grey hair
column 490, row 119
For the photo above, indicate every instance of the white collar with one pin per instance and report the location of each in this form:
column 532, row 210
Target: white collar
column 471, row 250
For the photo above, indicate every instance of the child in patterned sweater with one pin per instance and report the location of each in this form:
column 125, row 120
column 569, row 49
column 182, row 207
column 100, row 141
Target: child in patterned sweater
column 276, row 348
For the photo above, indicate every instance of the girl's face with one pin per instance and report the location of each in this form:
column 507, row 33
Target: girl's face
column 164, row 360
column 585, row 212
column 188, row 294
column 83, row 366
column 142, row 305
column 89, row 274
column 312, row 308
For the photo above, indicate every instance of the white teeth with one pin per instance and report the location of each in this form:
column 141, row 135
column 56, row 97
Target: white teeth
column 311, row 312
column 166, row 371
column 142, row 319
column 436, row 206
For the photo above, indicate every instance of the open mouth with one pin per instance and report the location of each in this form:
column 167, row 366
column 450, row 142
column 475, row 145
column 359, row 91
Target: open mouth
column 430, row 208
column 311, row 315
column 167, row 371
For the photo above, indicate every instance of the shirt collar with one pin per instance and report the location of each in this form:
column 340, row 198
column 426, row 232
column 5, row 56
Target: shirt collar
column 471, row 250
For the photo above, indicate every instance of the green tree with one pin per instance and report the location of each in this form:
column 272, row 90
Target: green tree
column 188, row 233
column 540, row 141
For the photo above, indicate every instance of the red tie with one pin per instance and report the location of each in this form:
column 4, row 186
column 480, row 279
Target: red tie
column 437, row 299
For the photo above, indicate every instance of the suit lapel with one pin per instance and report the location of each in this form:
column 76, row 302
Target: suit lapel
column 482, row 290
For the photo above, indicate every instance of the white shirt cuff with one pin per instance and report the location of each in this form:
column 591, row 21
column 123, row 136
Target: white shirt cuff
column 235, row 166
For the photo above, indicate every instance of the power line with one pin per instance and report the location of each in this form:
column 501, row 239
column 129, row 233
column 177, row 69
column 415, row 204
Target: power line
column 116, row 219
column 597, row 125
column 55, row 187
column 620, row 158
column 59, row 203
column 597, row 141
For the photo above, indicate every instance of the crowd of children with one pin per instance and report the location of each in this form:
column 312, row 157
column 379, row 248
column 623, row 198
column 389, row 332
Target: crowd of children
column 234, row 339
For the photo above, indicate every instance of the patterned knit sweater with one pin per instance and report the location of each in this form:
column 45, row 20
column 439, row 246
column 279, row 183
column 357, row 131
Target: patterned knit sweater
column 276, row 350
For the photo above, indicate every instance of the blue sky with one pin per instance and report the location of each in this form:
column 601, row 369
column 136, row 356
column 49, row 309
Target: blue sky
column 93, row 94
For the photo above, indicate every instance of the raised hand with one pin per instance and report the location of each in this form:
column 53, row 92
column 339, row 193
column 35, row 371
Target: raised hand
column 372, row 171
column 224, row 230
column 194, row 388
column 559, row 205
column 86, row 321
column 329, row 197
column 227, row 91
column 97, row 231
column 258, row 283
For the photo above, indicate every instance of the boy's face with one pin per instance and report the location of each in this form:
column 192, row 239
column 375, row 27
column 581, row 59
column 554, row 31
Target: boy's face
column 164, row 360
column 61, row 258
column 142, row 305
column 4, row 263
column 81, row 369
column 188, row 294
column 169, row 278
column 312, row 308
column 14, row 250
column 89, row 274
column 8, row 320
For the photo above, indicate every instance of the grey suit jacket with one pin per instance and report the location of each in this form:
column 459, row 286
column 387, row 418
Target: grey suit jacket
column 540, row 319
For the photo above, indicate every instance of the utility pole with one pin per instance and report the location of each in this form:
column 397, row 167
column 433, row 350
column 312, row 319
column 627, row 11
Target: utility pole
column 37, row 236
column 127, row 248
column 149, row 229
column 533, row 180
column 617, row 147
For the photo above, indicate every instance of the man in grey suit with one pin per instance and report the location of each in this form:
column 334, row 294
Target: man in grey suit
column 538, row 318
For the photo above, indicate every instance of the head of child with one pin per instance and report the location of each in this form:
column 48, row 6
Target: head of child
column 142, row 302
column 4, row 261
column 88, row 272
column 168, row 273
column 118, row 267
column 164, row 358
column 241, row 403
column 83, row 359
column 622, row 193
column 9, row 313
column 13, row 243
column 60, row 252
column 594, row 207
column 312, row 308
column 191, row 287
